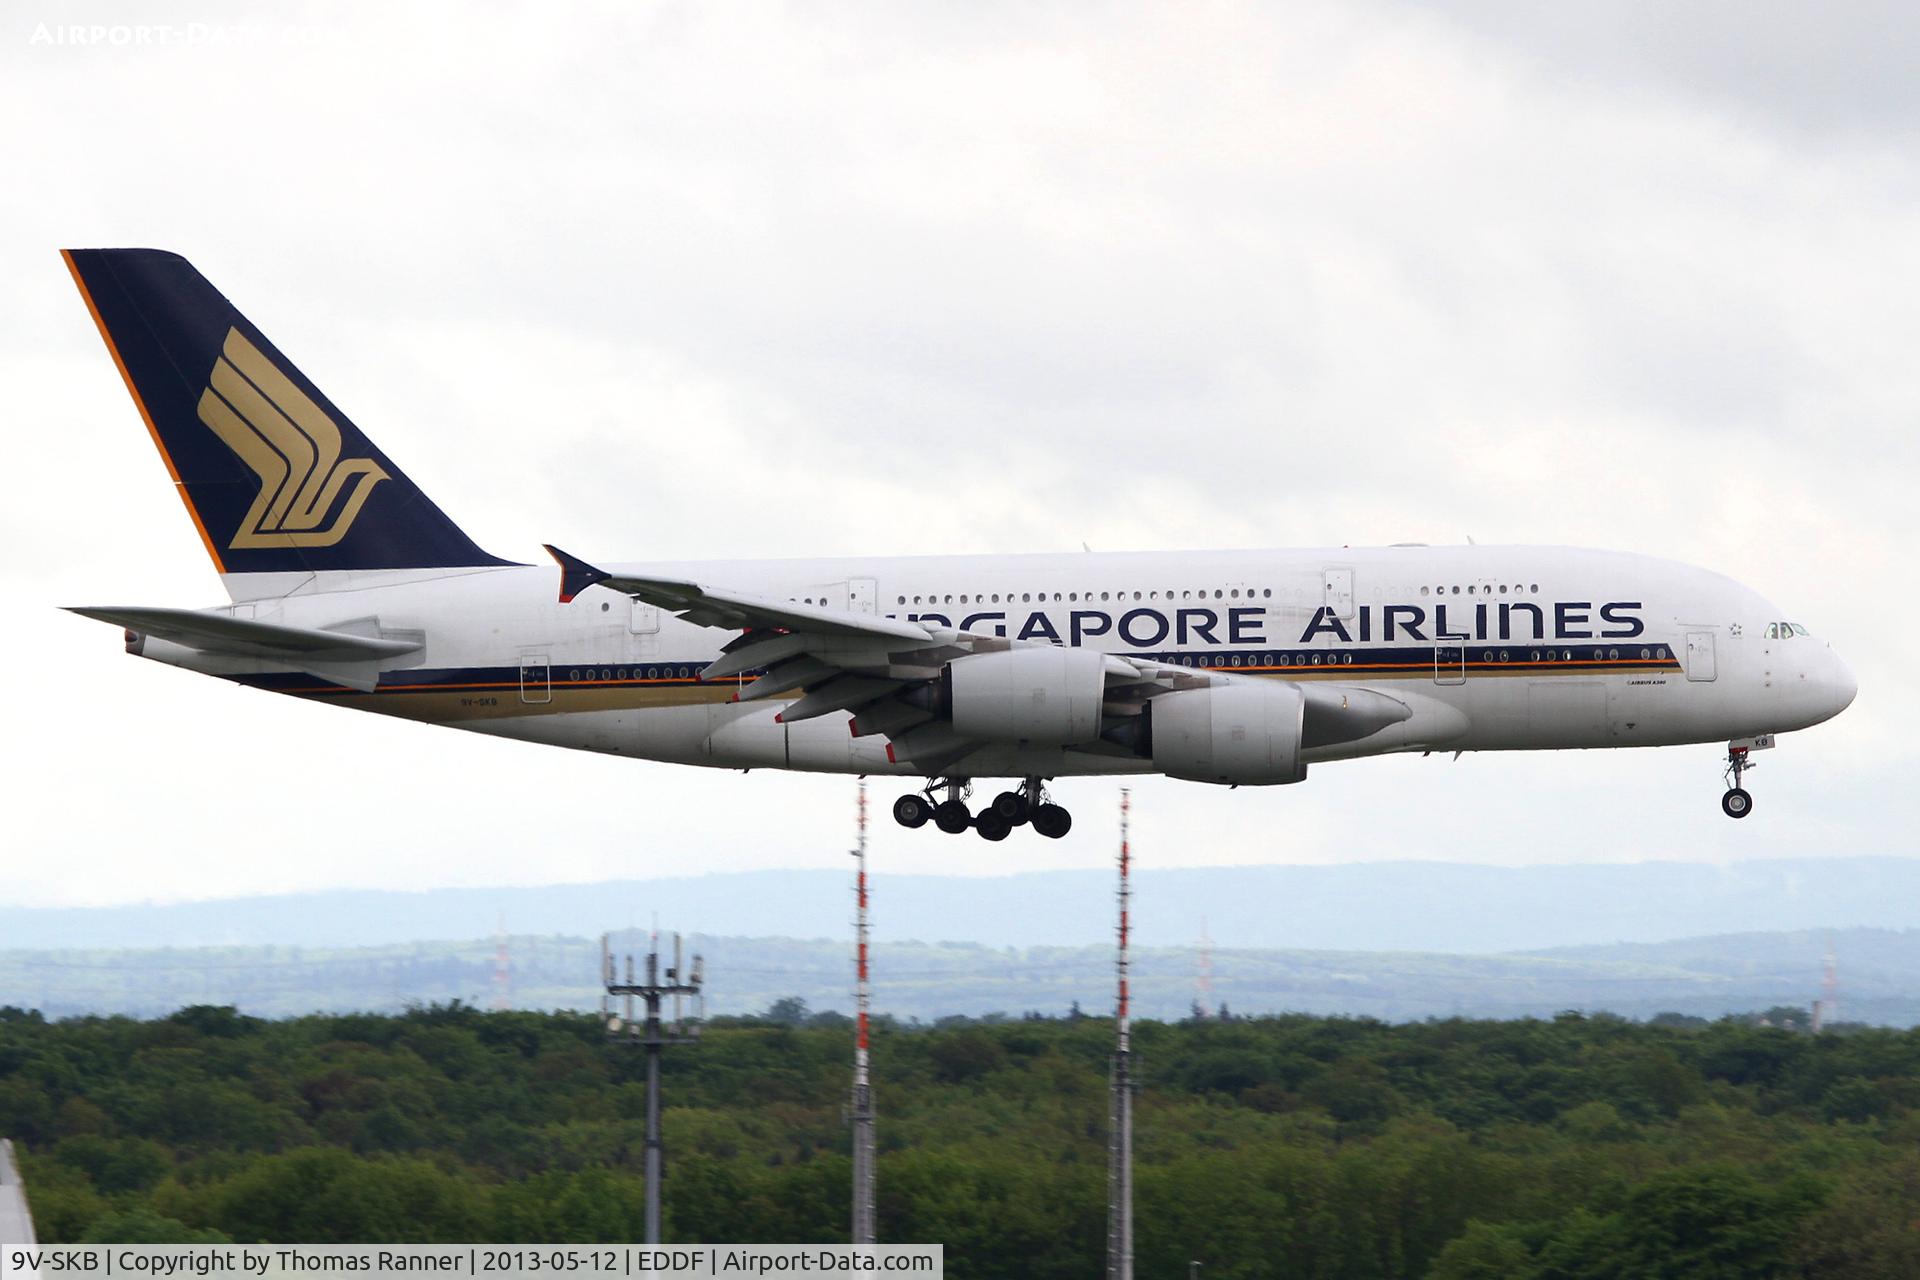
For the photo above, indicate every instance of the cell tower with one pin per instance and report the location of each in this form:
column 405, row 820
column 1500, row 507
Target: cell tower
column 652, row 1036
column 864, row 1227
column 1120, row 1120
column 1826, row 1010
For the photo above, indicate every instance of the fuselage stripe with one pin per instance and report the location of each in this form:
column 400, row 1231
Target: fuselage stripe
column 1401, row 662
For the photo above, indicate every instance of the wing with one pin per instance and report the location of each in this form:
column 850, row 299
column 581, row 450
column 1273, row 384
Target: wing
column 886, row 673
column 878, row 670
column 714, row 607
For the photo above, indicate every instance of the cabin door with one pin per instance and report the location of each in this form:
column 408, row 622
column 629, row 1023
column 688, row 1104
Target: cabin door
column 1700, row 655
column 1337, row 593
column 536, row 685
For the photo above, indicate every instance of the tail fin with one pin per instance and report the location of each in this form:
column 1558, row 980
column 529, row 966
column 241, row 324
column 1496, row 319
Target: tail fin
column 276, row 478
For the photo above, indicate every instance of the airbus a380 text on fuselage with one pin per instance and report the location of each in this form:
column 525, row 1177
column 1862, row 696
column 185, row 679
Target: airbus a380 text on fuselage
column 349, row 586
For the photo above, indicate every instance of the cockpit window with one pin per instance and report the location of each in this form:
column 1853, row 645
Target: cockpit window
column 1784, row 630
column 1797, row 628
column 1773, row 631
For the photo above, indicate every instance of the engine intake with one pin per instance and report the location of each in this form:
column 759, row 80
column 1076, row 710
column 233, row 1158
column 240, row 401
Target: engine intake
column 1046, row 696
column 1238, row 734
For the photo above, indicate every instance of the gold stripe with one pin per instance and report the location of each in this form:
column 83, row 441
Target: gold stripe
column 253, row 450
column 294, row 447
column 306, row 415
column 504, row 703
column 260, row 414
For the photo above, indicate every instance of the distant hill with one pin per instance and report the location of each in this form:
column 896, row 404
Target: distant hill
column 1707, row 977
column 1403, row 906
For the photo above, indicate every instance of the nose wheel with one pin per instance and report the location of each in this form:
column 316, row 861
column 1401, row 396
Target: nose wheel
column 1736, row 803
column 1026, row 805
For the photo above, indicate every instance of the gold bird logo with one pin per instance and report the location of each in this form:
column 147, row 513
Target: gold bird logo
column 294, row 447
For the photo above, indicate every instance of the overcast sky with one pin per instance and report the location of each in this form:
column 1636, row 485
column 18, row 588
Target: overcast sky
column 717, row 280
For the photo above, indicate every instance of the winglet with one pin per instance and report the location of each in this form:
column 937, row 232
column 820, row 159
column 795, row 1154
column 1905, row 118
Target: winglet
column 576, row 575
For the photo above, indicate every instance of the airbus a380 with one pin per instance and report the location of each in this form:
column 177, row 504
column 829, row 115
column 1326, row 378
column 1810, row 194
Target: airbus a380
column 349, row 586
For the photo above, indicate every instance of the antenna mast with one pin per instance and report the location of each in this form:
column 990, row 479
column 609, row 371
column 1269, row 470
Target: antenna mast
column 651, row 1036
column 1120, row 1141
column 863, row 1214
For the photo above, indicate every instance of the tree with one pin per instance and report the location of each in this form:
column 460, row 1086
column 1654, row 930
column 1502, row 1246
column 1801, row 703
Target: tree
column 788, row 1011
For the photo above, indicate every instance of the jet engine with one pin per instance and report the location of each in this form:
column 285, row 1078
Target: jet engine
column 1244, row 733
column 1045, row 696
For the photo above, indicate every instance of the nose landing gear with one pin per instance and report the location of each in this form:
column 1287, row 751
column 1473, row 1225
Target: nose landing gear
column 1025, row 805
column 1736, row 803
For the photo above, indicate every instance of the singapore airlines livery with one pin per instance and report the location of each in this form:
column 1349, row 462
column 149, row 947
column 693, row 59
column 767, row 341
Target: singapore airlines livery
column 350, row 586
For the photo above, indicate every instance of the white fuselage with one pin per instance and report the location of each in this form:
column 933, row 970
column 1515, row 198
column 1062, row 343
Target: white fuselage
column 1494, row 648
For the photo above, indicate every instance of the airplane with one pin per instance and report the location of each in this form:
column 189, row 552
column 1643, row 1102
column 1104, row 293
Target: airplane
column 349, row 586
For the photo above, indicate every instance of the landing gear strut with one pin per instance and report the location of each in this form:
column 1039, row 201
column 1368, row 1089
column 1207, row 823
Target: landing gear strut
column 1025, row 805
column 1736, row 803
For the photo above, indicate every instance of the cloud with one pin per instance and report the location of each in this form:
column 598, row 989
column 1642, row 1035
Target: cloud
column 697, row 281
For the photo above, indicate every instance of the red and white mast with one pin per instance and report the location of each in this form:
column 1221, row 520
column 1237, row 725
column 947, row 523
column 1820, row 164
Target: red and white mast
column 862, row 1110
column 1120, row 1141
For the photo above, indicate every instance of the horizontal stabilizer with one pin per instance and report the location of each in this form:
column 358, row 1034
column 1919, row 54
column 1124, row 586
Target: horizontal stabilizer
column 301, row 647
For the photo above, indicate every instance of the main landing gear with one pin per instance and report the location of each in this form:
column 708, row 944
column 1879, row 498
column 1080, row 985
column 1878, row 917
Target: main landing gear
column 1025, row 805
column 1736, row 803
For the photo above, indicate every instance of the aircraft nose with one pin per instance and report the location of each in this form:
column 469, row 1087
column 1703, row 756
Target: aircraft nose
column 1844, row 684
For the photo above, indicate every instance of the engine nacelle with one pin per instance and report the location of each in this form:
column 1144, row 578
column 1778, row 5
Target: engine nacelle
column 1045, row 696
column 1239, row 734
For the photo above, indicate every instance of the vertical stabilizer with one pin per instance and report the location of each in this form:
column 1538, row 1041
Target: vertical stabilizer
column 277, row 479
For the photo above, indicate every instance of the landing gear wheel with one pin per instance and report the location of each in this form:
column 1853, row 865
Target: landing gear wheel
column 1012, row 806
column 992, row 824
column 911, row 811
column 952, row 817
column 1051, row 821
column 1737, row 803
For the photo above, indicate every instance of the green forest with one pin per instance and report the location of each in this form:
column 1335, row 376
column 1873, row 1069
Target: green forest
column 1570, row 1148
